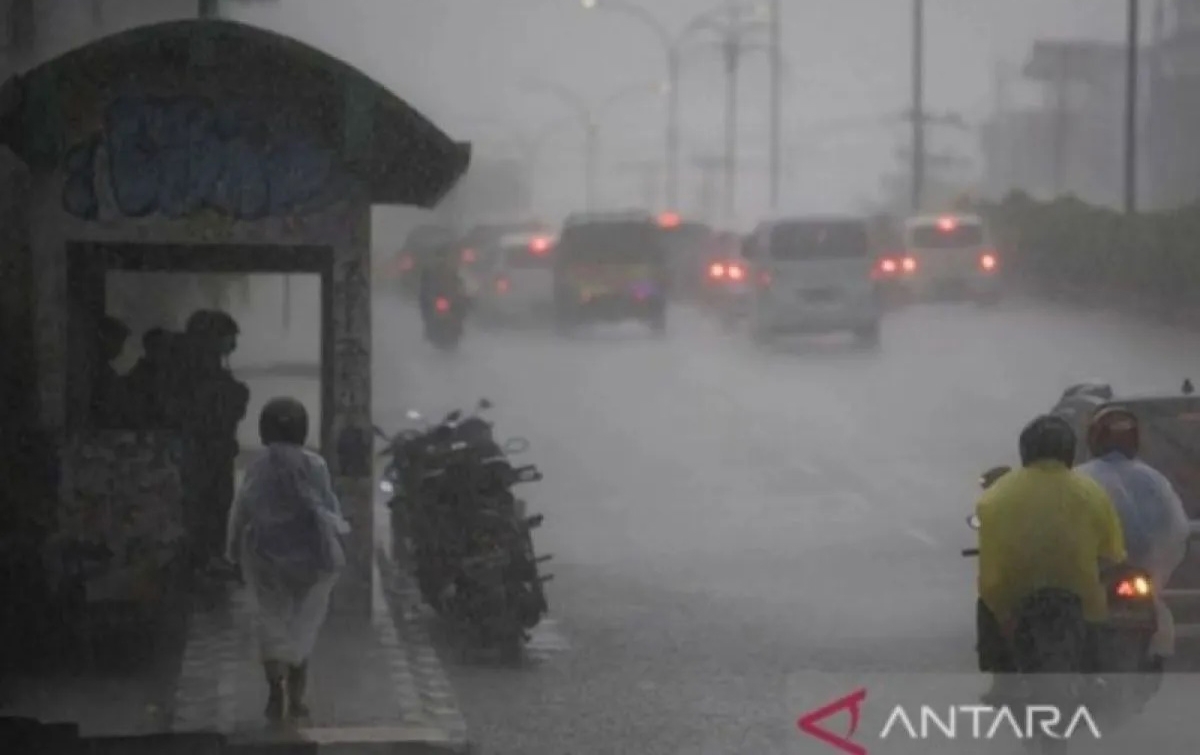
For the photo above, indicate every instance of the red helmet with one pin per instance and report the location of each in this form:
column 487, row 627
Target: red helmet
column 1114, row 429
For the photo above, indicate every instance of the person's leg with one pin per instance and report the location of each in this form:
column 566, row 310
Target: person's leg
column 273, row 607
column 311, row 610
column 993, row 651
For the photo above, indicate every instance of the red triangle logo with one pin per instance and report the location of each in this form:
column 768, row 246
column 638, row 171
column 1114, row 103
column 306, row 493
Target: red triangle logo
column 809, row 723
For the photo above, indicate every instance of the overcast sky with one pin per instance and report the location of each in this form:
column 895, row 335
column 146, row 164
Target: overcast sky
column 462, row 61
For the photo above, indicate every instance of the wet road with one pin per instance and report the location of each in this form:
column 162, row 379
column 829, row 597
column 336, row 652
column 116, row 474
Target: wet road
column 737, row 530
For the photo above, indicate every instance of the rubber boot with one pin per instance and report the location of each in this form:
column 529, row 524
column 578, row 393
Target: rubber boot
column 276, row 674
column 297, row 685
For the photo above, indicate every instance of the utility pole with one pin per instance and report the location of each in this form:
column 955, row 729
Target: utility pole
column 591, row 149
column 673, row 78
column 918, row 103
column 776, row 45
column 733, row 56
column 1131, row 107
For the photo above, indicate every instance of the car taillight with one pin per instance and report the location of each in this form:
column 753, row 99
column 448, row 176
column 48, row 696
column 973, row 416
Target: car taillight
column 887, row 266
column 736, row 273
column 1134, row 587
column 716, row 270
column 908, row 264
column 468, row 256
column 442, row 304
column 988, row 261
column 502, row 285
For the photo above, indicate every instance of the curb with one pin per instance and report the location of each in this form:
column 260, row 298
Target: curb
column 437, row 694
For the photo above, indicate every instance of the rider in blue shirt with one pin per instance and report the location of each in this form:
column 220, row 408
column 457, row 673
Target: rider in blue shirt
column 1152, row 515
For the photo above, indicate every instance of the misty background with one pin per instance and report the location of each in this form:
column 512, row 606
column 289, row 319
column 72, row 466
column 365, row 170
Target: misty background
column 847, row 83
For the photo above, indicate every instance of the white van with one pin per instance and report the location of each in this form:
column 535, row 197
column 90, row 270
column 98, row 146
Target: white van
column 948, row 257
column 520, row 278
column 813, row 275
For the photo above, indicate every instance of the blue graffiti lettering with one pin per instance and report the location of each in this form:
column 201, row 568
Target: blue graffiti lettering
column 176, row 156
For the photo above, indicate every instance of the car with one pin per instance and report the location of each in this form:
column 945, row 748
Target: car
column 519, row 276
column 1170, row 442
column 725, row 281
column 610, row 267
column 479, row 243
column 813, row 275
column 943, row 257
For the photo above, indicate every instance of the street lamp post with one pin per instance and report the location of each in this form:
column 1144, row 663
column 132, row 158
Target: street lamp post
column 671, row 48
column 735, row 26
column 584, row 114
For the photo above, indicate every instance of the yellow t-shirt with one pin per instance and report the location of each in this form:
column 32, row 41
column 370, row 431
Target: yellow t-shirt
column 1044, row 526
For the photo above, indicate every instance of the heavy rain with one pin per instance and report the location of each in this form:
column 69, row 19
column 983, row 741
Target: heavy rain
column 590, row 377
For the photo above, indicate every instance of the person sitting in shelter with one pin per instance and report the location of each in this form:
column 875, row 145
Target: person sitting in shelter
column 217, row 405
column 109, row 407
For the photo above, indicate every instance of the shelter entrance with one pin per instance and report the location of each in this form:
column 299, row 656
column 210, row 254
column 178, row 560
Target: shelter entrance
column 89, row 269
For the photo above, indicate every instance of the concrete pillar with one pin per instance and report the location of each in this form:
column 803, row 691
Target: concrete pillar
column 352, row 465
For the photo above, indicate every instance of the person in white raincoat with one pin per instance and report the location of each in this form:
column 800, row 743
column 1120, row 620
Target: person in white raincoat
column 1152, row 514
column 284, row 532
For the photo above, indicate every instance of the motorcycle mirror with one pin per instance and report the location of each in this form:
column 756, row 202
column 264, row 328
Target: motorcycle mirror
column 515, row 445
column 1188, row 388
column 973, row 521
column 988, row 478
column 484, row 404
column 452, row 417
column 528, row 474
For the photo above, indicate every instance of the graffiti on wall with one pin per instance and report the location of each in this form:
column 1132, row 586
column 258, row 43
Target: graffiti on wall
column 176, row 156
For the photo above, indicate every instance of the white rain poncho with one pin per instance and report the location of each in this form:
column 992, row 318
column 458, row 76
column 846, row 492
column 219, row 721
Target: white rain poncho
column 284, row 531
column 1155, row 524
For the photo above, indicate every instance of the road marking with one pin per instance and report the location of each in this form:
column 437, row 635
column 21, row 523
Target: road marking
column 921, row 535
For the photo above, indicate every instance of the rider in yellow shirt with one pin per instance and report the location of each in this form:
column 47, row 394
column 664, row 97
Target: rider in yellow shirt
column 1042, row 526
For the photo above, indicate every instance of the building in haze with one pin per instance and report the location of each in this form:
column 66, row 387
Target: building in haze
column 1072, row 140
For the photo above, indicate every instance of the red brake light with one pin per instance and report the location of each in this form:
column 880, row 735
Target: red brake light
column 539, row 245
column 716, row 270
column 888, row 266
column 468, row 256
column 668, row 220
column 442, row 304
column 988, row 261
column 502, row 285
column 1135, row 587
column 736, row 272
column 909, row 264
column 947, row 224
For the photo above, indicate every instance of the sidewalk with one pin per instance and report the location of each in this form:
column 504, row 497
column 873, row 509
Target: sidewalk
column 377, row 688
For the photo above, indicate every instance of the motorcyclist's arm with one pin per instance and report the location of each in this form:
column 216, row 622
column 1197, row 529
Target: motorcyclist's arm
column 991, row 584
column 1171, row 544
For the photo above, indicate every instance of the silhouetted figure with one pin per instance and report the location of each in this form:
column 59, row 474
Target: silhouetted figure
column 210, row 420
column 109, row 407
column 153, row 382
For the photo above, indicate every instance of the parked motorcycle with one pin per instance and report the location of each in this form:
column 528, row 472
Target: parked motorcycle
column 465, row 534
column 1049, row 645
